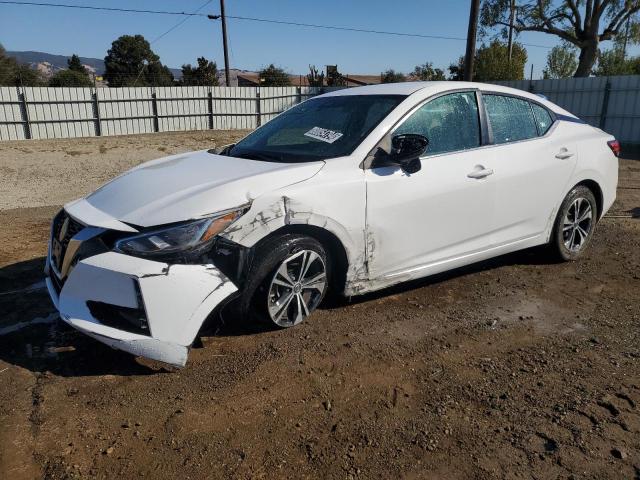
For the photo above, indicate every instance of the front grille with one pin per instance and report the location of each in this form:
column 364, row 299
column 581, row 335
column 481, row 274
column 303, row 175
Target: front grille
column 63, row 229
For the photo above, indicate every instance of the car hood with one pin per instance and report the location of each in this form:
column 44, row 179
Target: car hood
column 192, row 185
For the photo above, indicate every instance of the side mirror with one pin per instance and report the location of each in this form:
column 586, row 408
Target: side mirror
column 406, row 150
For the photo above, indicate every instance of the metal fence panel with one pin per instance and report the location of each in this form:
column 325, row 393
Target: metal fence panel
column 59, row 112
column 126, row 111
column 623, row 113
column 12, row 125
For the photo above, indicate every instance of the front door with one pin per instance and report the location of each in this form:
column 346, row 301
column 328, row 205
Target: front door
column 419, row 223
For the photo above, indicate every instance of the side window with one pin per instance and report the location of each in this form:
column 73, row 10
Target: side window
column 543, row 118
column 511, row 118
column 450, row 123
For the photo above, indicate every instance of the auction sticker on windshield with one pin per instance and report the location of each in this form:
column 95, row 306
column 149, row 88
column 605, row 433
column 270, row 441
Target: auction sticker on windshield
column 328, row 136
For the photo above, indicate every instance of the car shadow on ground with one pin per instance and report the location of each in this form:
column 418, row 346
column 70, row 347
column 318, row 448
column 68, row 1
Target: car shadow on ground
column 227, row 323
column 33, row 336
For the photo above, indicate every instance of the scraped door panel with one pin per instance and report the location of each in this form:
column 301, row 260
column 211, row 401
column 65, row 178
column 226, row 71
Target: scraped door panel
column 434, row 215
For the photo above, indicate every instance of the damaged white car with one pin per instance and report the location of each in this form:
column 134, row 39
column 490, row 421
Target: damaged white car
column 354, row 191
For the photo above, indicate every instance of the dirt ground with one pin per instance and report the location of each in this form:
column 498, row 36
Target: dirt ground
column 512, row 368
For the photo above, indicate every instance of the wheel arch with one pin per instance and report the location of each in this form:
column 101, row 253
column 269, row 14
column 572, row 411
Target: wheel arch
column 597, row 192
column 336, row 249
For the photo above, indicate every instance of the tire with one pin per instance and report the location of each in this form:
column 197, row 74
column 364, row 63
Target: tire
column 267, row 289
column 570, row 238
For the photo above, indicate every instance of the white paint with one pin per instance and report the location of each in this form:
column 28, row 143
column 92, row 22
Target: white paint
column 186, row 186
column 394, row 226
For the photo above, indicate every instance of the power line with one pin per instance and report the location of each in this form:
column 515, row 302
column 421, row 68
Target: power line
column 363, row 30
column 182, row 21
column 256, row 19
column 348, row 29
column 110, row 9
column 169, row 31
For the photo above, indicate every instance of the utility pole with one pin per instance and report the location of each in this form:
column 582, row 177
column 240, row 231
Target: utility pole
column 224, row 43
column 512, row 20
column 471, row 40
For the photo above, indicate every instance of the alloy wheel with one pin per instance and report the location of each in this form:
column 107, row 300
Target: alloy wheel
column 577, row 224
column 296, row 288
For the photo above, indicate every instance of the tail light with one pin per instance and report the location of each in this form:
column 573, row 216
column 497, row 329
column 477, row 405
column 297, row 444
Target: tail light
column 614, row 145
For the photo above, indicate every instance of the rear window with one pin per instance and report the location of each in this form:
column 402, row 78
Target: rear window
column 543, row 118
column 511, row 118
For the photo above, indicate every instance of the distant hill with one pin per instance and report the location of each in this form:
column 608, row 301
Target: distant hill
column 49, row 63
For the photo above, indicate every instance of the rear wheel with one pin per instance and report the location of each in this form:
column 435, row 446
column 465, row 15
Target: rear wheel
column 288, row 280
column 575, row 224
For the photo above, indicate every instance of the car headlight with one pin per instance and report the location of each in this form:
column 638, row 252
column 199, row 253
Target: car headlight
column 189, row 237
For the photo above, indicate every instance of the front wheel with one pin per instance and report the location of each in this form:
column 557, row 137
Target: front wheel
column 575, row 224
column 289, row 279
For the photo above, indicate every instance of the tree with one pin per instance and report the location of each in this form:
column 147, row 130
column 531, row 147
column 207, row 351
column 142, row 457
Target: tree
column 314, row 77
column 456, row 70
column 75, row 65
column 334, row 77
column 426, row 72
column 575, row 21
column 130, row 61
column 13, row 73
column 205, row 74
column 273, row 76
column 70, row 78
column 561, row 61
column 74, row 76
column 613, row 62
column 391, row 76
column 491, row 62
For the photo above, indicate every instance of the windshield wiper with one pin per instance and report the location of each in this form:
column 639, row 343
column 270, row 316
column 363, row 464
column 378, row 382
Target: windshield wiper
column 265, row 157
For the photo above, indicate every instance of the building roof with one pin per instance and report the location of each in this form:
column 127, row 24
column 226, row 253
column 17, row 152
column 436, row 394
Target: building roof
column 253, row 78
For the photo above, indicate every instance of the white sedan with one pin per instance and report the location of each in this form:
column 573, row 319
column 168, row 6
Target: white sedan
column 353, row 191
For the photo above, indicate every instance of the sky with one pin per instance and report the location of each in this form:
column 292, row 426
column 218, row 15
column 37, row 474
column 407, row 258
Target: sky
column 254, row 45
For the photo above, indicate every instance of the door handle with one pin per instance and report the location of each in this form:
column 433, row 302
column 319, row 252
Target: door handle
column 480, row 173
column 564, row 154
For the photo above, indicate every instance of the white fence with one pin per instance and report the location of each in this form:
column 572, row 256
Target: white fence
column 610, row 103
column 45, row 112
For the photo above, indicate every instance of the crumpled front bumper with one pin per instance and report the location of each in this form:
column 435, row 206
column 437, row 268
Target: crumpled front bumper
column 175, row 298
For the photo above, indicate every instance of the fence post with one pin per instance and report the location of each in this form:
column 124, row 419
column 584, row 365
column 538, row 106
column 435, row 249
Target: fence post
column 258, row 108
column 210, row 107
column 25, row 114
column 154, row 106
column 96, row 113
column 299, row 95
column 605, row 104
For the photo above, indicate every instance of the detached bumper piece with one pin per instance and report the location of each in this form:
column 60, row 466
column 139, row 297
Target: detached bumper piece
column 143, row 307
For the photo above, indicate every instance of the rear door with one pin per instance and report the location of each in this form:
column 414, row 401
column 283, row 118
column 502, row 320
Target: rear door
column 532, row 161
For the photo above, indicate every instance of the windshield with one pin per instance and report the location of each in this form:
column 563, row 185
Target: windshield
column 317, row 129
